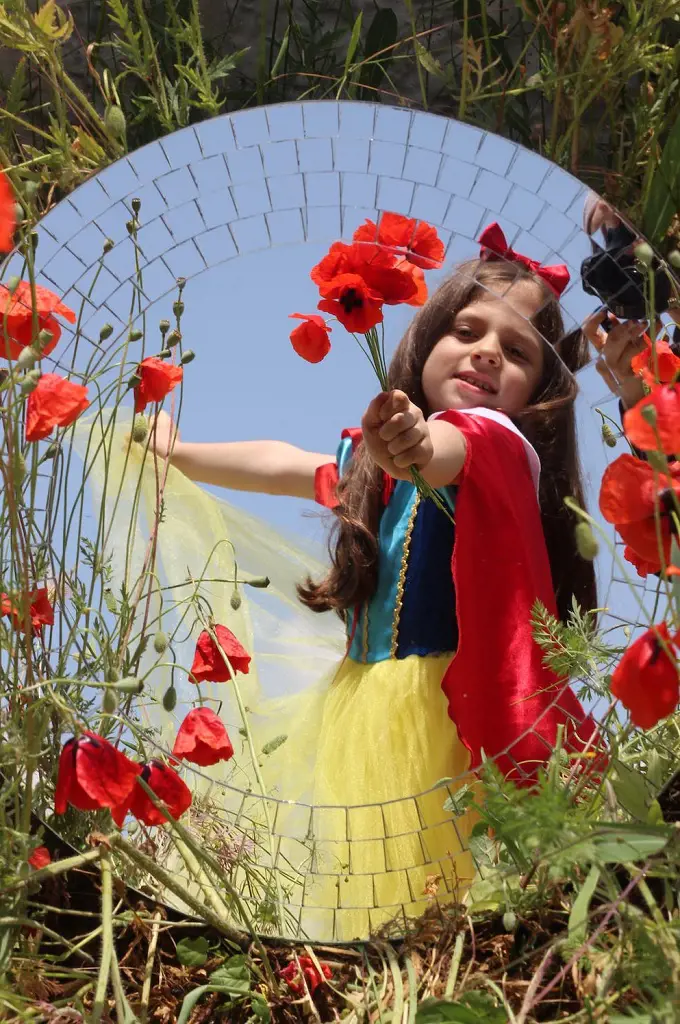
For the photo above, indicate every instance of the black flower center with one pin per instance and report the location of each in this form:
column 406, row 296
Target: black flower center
column 667, row 505
column 350, row 300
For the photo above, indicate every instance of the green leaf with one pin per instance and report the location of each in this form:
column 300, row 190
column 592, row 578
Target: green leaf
column 472, row 1008
column 382, row 34
column 233, row 976
column 430, row 63
column 193, row 952
column 578, row 918
column 260, row 1008
column 632, row 790
column 458, row 802
column 617, row 847
column 283, row 50
column 353, row 42
column 663, row 198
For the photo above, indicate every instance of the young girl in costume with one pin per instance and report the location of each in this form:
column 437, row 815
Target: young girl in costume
column 441, row 669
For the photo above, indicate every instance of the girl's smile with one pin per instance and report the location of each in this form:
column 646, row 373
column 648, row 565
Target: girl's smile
column 492, row 357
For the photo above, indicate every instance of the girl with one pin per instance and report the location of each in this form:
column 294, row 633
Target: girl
column 441, row 669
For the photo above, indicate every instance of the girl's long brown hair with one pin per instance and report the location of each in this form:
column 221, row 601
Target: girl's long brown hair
column 548, row 422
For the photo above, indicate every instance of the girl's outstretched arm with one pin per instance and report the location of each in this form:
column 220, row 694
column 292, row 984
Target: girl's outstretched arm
column 267, row 467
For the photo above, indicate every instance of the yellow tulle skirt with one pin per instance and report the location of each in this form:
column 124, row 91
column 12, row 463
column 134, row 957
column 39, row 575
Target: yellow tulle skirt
column 329, row 819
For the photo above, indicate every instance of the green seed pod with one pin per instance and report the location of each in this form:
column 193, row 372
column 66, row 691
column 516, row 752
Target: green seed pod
column 648, row 413
column 140, row 428
column 178, row 308
column 235, row 600
column 30, row 189
column 608, row 436
column 27, row 358
column 112, row 674
column 129, row 685
column 30, row 381
column 131, row 226
column 50, row 452
column 181, row 281
column 136, row 335
column 644, row 253
column 134, row 381
column 110, row 701
column 170, row 699
column 674, row 259
column 261, row 582
column 106, row 332
column 136, row 206
column 509, row 920
column 274, row 744
column 187, row 357
column 19, row 469
column 108, row 245
column 18, row 211
column 164, row 326
column 173, row 339
column 44, row 338
column 586, row 542
column 160, row 642
column 35, row 238
column 165, row 353
column 110, row 602
column 114, row 119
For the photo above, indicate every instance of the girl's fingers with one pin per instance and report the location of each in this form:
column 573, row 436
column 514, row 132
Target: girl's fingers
column 372, row 418
column 415, row 456
column 404, row 441
column 396, row 402
column 398, row 423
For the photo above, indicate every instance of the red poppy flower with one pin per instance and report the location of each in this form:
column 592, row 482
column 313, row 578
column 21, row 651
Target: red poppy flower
column 310, row 339
column 202, row 739
column 40, row 857
column 420, row 297
column 158, row 378
column 668, row 364
column 423, row 246
column 292, row 975
column 93, row 774
column 646, row 678
column 628, row 494
column 665, row 401
column 18, row 309
column 355, row 304
column 349, row 259
column 40, row 610
column 166, row 785
column 209, row 666
column 8, row 220
column 56, row 402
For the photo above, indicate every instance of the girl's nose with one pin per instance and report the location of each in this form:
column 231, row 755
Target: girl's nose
column 488, row 350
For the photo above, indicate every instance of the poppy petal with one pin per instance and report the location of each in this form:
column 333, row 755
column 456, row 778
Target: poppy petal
column 202, row 739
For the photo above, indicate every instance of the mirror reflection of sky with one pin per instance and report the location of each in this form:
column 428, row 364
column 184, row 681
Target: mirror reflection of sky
column 244, row 206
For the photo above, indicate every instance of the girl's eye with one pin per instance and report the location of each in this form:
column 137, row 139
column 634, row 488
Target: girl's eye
column 517, row 352
column 465, row 332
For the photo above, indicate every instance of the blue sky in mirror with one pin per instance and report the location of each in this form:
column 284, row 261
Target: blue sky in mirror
column 244, row 205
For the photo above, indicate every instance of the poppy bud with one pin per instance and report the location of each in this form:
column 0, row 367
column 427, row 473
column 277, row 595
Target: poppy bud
column 112, row 674
column 18, row 211
column 165, row 353
column 586, row 542
column 129, row 685
column 178, row 308
column 35, row 238
column 261, row 582
column 114, row 119
column 106, row 332
column 30, row 381
column 235, row 600
column 110, row 601
column 140, row 428
column 135, row 335
column 187, row 357
column 644, row 253
column 44, row 338
column 131, row 226
column 108, row 245
column 648, row 413
column 19, row 469
column 30, row 189
column 110, row 701
column 27, row 358
column 674, row 259
column 136, row 205
column 274, row 744
column 50, row 452
column 13, row 284
column 509, row 921
column 134, row 381
column 608, row 436
column 160, row 642
column 164, row 326
column 173, row 339
column 170, row 699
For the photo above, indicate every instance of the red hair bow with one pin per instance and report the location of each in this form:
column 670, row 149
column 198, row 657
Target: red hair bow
column 495, row 246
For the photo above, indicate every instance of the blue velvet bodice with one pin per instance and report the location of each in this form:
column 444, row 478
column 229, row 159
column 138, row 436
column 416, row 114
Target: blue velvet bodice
column 413, row 610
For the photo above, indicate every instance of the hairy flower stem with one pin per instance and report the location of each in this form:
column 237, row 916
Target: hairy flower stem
column 107, row 937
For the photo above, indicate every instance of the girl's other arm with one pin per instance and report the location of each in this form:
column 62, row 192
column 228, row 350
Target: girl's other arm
column 267, row 467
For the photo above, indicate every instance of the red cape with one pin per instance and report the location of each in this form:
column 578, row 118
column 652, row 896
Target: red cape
column 505, row 703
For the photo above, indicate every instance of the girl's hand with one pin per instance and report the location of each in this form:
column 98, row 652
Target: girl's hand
column 396, row 434
column 616, row 350
column 163, row 435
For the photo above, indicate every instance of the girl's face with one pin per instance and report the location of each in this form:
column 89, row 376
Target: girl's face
column 492, row 357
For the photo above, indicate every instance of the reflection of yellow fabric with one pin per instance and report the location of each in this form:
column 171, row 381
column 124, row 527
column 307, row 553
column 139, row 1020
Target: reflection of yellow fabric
column 373, row 735
column 377, row 737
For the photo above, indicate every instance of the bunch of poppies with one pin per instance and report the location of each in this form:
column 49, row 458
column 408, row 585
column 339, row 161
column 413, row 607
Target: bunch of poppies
column 383, row 266
column 641, row 498
column 94, row 774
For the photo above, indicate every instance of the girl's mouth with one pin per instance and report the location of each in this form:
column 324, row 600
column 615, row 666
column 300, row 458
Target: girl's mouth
column 477, row 384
